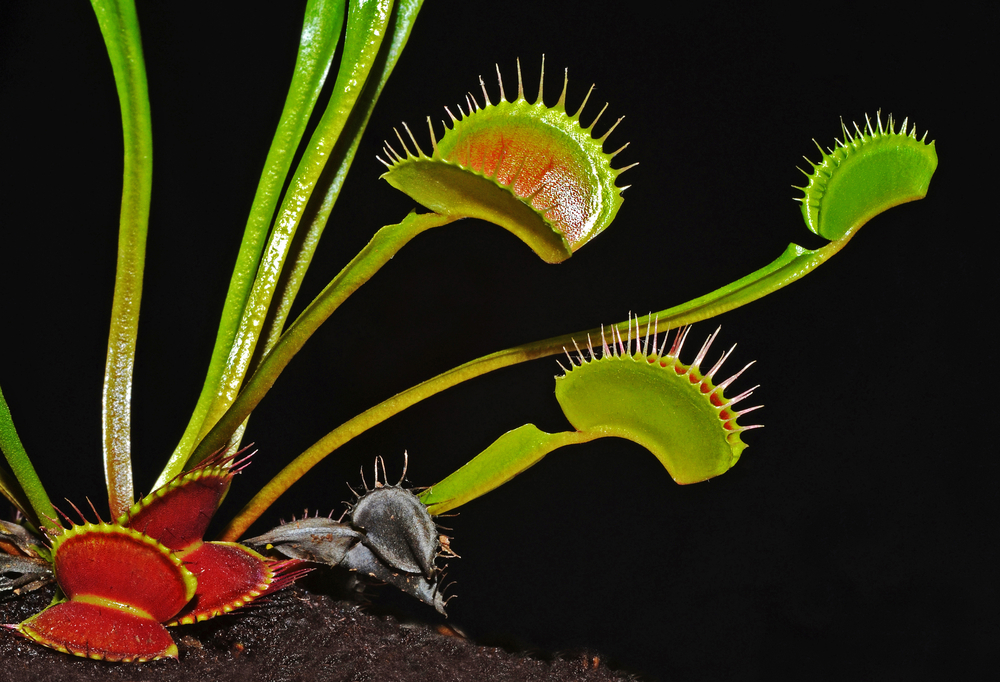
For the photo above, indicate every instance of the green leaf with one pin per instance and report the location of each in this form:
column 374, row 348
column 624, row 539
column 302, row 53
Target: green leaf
column 404, row 15
column 532, row 169
column 861, row 178
column 25, row 490
column 674, row 410
column 330, row 183
column 509, row 455
column 321, row 29
column 793, row 264
column 120, row 28
column 864, row 175
column 366, row 27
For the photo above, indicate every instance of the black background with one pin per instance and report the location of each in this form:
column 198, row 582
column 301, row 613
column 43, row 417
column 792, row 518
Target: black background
column 852, row 539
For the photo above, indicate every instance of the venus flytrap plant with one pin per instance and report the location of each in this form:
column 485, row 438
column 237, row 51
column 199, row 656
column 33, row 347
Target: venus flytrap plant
column 644, row 394
column 863, row 175
column 123, row 581
column 109, row 610
column 532, row 169
column 497, row 163
column 219, row 568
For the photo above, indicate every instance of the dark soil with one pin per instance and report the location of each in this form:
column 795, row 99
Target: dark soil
column 296, row 636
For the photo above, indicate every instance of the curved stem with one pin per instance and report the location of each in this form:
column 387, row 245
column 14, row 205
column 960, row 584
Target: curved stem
column 120, row 28
column 359, row 104
column 383, row 246
column 794, row 263
column 404, row 15
column 321, row 30
column 29, row 486
column 509, row 455
column 366, row 23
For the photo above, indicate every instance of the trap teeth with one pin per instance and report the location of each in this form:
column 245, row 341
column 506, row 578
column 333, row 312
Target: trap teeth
column 650, row 397
column 532, row 169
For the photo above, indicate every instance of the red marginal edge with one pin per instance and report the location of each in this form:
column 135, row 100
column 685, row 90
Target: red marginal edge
column 229, row 576
column 178, row 513
column 99, row 632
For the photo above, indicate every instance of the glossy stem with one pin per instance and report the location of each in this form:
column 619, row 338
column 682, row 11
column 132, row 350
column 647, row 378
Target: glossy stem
column 508, row 456
column 404, row 15
column 120, row 28
column 793, row 264
column 383, row 246
column 321, row 29
column 366, row 23
column 355, row 104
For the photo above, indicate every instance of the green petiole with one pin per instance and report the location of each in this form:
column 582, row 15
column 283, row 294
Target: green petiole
column 120, row 28
column 24, row 489
column 321, row 28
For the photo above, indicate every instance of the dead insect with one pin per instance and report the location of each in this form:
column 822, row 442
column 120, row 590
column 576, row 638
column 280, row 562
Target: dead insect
column 386, row 534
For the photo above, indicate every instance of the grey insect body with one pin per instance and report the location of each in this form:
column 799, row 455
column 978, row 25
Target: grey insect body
column 387, row 534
